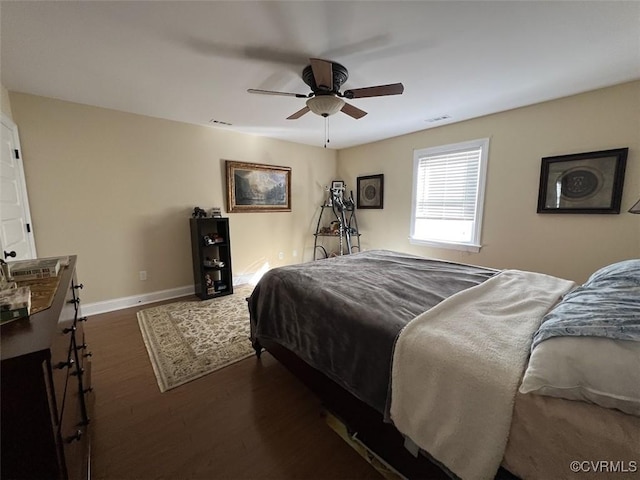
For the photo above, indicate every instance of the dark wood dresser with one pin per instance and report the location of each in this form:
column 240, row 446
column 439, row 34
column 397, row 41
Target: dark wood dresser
column 46, row 390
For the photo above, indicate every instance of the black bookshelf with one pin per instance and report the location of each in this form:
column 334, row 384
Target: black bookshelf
column 211, row 252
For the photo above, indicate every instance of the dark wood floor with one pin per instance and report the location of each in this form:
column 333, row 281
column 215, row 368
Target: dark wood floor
column 249, row 420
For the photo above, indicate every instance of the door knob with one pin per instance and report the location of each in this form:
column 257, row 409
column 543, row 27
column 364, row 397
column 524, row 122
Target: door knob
column 12, row 253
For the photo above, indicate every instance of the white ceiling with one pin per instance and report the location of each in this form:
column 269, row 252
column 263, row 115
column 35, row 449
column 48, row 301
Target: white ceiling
column 194, row 61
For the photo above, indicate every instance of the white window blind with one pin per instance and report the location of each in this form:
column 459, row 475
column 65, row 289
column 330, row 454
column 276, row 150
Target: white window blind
column 448, row 185
column 448, row 192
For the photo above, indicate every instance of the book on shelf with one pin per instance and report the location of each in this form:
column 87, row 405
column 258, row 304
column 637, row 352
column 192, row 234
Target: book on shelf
column 15, row 303
column 34, row 269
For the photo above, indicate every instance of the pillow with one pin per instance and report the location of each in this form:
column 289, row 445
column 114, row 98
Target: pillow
column 607, row 305
column 599, row 370
column 625, row 273
column 588, row 347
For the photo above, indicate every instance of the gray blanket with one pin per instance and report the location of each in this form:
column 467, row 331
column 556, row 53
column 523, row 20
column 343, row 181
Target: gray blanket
column 342, row 315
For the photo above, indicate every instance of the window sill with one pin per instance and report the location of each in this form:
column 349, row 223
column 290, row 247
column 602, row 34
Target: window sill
column 465, row 247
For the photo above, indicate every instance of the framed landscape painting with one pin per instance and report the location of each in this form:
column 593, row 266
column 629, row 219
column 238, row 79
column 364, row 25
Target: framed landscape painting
column 582, row 182
column 254, row 187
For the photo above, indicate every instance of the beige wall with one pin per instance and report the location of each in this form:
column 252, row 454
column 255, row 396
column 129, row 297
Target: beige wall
column 514, row 235
column 117, row 189
column 5, row 103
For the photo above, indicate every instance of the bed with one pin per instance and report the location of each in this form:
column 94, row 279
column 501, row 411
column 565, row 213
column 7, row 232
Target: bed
column 423, row 360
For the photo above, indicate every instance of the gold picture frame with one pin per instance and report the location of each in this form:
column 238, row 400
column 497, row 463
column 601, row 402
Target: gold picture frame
column 255, row 187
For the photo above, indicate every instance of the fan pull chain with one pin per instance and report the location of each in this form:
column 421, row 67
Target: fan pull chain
column 326, row 131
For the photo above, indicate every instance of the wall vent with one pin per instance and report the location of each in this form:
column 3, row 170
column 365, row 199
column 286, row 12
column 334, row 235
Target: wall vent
column 218, row 122
column 438, row 119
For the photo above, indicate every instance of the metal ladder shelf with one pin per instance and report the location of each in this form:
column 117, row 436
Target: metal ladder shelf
column 344, row 212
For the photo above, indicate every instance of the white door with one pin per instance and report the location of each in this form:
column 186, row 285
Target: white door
column 16, row 232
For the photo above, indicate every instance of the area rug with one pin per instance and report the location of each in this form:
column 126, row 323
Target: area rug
column 187, row 340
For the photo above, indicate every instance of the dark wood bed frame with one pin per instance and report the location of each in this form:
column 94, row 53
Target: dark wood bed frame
column 381, row 438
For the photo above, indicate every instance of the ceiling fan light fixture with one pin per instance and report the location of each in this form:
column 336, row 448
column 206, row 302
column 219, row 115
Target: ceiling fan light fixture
column 325, row 105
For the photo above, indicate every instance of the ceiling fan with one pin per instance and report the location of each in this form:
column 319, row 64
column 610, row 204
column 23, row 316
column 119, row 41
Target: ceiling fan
column 325, row 79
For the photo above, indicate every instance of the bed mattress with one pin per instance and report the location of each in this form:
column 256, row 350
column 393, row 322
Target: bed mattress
column 549, row 435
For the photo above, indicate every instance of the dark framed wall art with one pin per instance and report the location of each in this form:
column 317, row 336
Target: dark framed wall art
column 582, row 182
column 371, row 191
column 253, row 187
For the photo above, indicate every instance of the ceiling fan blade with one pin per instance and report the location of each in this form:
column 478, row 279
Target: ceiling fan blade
column 322, row 73
column 377, row 91
column 352, row 111
column 298, row 114
column 271, row 92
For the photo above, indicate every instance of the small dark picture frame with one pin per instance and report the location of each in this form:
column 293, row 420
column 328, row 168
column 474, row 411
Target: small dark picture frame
column 337, row 184
column 371, row 191
column 582, row 182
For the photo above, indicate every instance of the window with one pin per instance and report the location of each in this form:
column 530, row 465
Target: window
column 448, row 193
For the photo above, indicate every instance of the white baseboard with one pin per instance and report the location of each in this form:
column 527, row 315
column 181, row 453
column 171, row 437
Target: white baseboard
column 243, row 279
column 126, row 302
column 145, row 298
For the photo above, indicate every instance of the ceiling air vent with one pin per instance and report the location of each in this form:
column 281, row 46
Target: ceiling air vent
column 218, row 122
column 438, row 119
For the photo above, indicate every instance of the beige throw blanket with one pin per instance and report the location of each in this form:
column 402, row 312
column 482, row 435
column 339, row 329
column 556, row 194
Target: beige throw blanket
column 457, row 367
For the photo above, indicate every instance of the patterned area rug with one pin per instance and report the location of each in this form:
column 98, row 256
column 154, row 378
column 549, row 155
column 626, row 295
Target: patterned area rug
column 187, row 340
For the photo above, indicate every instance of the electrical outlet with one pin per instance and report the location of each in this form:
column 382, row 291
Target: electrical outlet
column 143, row 275
column 280, row 255
column 295, row 253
